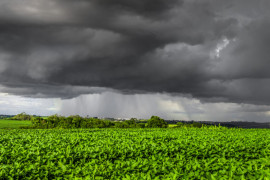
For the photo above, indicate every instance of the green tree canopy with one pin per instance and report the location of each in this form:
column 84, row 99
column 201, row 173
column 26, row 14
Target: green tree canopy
column 156, row 122
column 22, row 116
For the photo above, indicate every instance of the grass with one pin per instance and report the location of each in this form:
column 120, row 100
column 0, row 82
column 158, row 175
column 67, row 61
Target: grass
column 13, row 124
column 172, row 125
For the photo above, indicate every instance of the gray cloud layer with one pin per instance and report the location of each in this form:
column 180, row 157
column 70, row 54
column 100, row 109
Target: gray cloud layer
column 211, row 50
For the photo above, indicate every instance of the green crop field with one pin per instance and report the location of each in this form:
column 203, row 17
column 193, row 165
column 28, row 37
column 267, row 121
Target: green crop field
column 183, row 153
column 13, row 124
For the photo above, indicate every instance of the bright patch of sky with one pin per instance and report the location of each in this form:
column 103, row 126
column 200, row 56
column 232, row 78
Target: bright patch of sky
column 220, row 46
column 10, row 105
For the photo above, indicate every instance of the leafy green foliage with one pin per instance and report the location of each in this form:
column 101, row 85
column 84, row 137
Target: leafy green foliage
column 22, row 116
column 181, row 153
column 61, row 122
column 156, row 122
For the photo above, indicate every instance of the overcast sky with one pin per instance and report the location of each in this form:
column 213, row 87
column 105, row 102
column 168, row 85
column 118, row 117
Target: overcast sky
column 179, row 59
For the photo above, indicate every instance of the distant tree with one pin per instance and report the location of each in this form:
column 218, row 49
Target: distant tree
column 130, row 123
column 121, row 125
column 180, row 124
column 76, row 121
column 156, row 122
column 198, row 125
column 140, row 125
column 22, row 116
column 134, row 119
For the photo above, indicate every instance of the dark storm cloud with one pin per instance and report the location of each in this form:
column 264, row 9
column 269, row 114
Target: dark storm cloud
column 212, row 50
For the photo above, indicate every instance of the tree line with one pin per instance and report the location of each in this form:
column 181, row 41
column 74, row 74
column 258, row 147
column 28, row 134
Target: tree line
column 62, row 122
column 56, row 121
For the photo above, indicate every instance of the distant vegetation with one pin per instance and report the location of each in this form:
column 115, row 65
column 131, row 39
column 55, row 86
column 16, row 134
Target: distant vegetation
column 2, row 116
column 156, row 122
column 21, row 120
column 56, row 121
column 194, row 124
column 23, row 116
column 72, row 122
